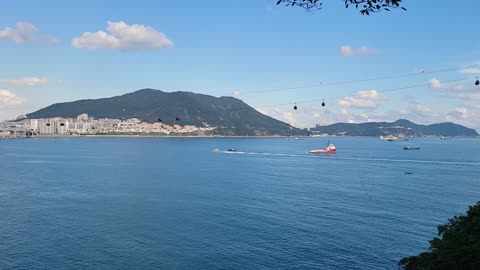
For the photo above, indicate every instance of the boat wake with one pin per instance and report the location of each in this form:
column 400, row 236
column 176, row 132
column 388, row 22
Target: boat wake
column 261, row 154
column 333, row 157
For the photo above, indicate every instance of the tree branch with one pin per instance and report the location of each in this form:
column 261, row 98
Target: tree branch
column 366, row 6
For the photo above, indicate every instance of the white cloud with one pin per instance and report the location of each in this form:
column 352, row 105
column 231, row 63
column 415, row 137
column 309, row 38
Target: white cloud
column 26, row 33
column 236, row 94
column 363, row 100
column 459, row 113
column 27, row 81
column 52, row 40
column 464, row 96
column 419, row 109
column 290, row 118
column 467, row 113
column 309, row 115
column 23, row 32
column 346, row 116
column 419, row 113
column 437, row 84
column 463, row 108
column 282, row 114
column 473, row 70
column 8, row 98
column 348, row 51
column 122, row 36
column 464, row 114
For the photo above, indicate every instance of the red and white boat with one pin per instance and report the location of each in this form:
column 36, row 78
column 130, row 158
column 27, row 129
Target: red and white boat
column 330, row 149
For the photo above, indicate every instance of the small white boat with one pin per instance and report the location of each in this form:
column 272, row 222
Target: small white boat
column 390, row 138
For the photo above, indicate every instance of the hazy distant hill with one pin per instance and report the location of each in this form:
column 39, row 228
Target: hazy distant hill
column 396, row 128
column 231, row 115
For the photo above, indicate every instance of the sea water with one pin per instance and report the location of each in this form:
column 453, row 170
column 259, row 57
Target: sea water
column 172, row 203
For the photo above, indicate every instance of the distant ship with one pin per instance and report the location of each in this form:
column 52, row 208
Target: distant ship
column 329, row 149
column 390, row 138
column 411, row 148
column 445, row 138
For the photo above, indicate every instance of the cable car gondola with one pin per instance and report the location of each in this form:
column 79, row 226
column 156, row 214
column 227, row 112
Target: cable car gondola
column 323, row 103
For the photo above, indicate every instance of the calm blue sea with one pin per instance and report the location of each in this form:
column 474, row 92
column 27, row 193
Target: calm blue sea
column 171, row 203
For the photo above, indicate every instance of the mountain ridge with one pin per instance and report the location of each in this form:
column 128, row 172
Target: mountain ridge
column 230, row 115
column 400, row 127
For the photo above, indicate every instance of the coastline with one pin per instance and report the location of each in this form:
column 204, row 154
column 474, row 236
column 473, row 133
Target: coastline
column 161, row 136
column 211, row 136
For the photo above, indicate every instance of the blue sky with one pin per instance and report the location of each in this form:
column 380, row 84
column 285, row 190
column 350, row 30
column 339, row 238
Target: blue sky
column 244, row 46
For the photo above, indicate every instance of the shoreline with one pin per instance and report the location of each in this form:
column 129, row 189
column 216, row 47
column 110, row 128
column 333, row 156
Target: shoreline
column 160, row 136
column 215, row 136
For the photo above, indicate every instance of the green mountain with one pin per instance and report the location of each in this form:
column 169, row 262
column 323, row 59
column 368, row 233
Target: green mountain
column 399, row 127
column 232, row 116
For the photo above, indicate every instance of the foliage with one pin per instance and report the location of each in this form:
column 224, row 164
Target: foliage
column 457, row 248
column 366, row 6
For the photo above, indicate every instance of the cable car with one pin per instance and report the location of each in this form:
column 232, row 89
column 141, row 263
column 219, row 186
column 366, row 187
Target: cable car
column 295, row 107
column 477, row 82
column 323, row 103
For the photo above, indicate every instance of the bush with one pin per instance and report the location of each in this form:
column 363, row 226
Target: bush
column 458, row 245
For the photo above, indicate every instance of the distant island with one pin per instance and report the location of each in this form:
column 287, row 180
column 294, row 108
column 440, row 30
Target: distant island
column 229, row 116
column 399, row 128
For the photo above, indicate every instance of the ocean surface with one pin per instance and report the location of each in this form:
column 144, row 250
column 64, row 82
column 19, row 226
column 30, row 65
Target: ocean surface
column 172, row 203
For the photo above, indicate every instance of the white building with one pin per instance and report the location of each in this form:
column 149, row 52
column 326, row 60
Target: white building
column 61, row 128
column 52, row 127
column 79, row 127
column 82, row 117
column 34, row 125
column 46, row 127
